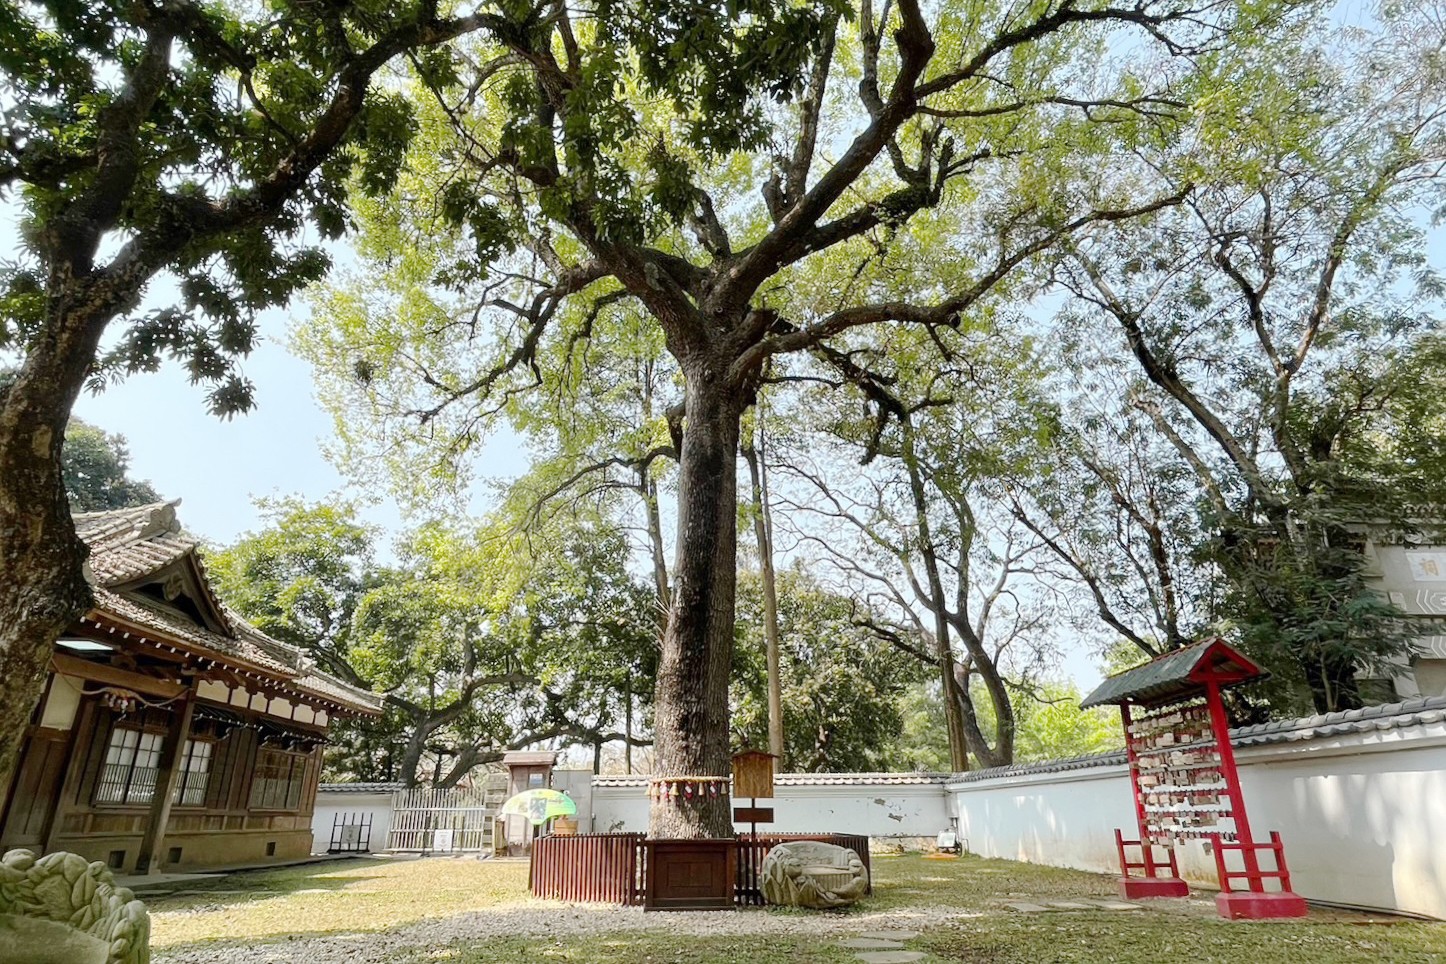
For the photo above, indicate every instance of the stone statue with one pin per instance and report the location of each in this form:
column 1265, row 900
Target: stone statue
column 805, row 873
column 62, row 909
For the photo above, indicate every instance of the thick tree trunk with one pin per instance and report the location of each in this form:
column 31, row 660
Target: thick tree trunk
column 44, row 588
column 692, row 691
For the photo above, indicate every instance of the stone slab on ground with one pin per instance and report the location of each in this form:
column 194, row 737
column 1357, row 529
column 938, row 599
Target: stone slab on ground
column 143, row 883
column 891, row 935
column 891, row 957
column 1069, row 905
column 871, row 944
column 1025, row 908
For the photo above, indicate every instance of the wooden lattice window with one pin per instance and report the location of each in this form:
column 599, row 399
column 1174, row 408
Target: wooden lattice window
column 132, row 760
column 278, row 781
column 195, row 773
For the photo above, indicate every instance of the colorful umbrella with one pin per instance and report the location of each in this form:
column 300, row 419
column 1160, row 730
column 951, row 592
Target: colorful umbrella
column 540, row 806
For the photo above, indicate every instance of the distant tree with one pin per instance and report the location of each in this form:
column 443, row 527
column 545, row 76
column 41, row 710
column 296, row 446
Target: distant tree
column 840, row 683
column 1269, row 321
column 299, row 578
column 922, row 743
column 96, row 471
column 1049, row 726
column 478, row 642
column 1053, row 727
column 923, row 529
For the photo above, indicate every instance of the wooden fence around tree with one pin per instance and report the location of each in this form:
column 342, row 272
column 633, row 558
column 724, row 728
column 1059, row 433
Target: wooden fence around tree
column 609, row 867
column 601, row 867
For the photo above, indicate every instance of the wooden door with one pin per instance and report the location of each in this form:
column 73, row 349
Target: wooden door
column 36, row 790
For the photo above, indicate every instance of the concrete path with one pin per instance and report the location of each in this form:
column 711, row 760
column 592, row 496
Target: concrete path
column 1028, row 907
column 884, row 947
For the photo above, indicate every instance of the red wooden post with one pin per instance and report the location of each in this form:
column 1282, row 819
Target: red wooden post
column 1255, row 903
column 1151, row 885
column 1221, row 725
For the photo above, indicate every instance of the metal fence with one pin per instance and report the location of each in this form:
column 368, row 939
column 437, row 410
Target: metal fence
column 609, row 867
column 351, row 833
column 442, row 821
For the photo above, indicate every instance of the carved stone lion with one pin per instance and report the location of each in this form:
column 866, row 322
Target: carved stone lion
column 804, row 873
column 62, row 908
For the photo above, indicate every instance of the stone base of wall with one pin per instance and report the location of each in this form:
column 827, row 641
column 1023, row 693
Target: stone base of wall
column 198, row 851
column 903, row 844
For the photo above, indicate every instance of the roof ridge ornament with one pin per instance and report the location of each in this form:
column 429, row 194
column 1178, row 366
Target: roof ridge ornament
column 159, row 520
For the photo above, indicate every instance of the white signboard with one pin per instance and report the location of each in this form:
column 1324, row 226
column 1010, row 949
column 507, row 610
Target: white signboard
column 442, row 840
column 1427, row 566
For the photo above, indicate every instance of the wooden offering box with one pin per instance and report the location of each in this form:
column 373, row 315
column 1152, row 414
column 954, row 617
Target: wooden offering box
column 690, row 874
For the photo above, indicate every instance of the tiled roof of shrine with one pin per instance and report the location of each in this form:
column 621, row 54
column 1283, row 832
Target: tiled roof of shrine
column 128, row 546
column 1173, row 675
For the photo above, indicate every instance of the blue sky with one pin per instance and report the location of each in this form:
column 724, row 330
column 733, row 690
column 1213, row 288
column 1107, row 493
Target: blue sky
column 218, row 467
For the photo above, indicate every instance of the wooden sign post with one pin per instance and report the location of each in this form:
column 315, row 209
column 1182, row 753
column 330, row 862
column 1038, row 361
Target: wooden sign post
column 753, row 778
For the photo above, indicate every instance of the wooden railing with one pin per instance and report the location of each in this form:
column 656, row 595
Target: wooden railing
column 598, row 867
column 609, row 867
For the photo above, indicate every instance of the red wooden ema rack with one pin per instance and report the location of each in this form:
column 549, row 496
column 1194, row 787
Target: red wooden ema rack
column 1186, row 783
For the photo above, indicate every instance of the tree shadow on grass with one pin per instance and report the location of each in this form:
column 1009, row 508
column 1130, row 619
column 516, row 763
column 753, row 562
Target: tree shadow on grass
column 245, row 886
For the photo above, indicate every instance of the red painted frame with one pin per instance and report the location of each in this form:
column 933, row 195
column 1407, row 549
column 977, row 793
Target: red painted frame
column 1254, row 901
column 1152, row 884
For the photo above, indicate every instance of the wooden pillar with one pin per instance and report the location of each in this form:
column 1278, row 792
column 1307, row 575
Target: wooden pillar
column 82, row 735
column 166, row 777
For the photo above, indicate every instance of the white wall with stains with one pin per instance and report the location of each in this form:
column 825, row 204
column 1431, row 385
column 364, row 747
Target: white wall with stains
column 849, row 803
column 1361, row 812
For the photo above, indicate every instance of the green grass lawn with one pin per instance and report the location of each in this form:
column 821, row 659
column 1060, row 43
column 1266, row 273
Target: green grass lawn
column 961, row 907
column 362, row 894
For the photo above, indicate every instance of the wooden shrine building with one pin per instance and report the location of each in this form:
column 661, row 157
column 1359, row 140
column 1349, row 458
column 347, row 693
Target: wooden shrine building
column 172, row 734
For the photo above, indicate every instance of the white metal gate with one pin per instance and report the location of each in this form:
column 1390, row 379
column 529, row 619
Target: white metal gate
column 444, row 821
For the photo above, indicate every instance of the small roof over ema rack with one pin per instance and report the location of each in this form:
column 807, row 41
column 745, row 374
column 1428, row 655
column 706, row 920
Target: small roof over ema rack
column 1176, row 675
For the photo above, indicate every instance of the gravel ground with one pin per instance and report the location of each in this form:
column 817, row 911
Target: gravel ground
column 558, row 921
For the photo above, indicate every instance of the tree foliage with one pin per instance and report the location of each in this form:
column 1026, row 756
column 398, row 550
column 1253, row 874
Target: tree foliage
column 479, row 642
column 1269, row 320
column 96, row 471
column 840, row 683
column 211, row 146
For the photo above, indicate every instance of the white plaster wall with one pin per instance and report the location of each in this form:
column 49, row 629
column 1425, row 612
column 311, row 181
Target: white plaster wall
column 1363, row 818
column 1061, row 819
column 876, row 810
column 578, row 785
column 619, row 809
column 328, row 805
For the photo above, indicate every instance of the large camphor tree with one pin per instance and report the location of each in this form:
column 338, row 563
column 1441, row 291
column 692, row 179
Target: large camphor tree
column 204, row 144
column 760, row 180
